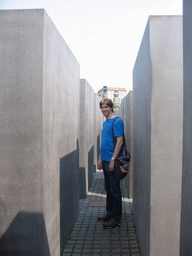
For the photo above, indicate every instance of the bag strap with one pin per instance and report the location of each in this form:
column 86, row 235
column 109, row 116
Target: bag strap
column 114, row 140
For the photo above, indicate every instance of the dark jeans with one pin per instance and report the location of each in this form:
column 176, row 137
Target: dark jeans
column 113, row 189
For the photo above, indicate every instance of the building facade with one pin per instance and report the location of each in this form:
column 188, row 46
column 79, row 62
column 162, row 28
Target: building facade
column 116, row 94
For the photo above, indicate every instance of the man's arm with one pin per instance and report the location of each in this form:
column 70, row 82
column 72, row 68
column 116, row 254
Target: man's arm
column 99, row 165
column 118, row 146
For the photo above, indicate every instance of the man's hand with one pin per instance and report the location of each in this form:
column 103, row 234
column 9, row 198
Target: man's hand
column 112, row 166
column 99, row 165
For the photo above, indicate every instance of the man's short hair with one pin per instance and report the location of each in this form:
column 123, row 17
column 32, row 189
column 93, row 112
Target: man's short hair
column 106, row 101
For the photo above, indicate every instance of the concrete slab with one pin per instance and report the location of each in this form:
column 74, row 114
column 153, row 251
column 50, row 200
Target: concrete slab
column 186, row 222
column 39, row 133
column 98, row 121
column 158, row 130
column 125, row 111
column 86, row 159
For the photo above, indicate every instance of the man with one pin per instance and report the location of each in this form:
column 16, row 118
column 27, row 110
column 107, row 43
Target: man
column 106, row 161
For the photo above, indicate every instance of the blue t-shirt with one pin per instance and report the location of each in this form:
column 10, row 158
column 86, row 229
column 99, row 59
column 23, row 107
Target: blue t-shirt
column 107, row 145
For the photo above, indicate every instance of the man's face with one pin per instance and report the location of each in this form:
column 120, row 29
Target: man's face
column 106, row 110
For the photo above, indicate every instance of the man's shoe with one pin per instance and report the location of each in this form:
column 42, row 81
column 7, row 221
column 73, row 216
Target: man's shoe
column 104, row 218
column 112, row 224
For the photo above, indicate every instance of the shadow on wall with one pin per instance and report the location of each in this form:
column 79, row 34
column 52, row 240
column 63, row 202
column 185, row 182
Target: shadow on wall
column 90, row 166
column 98, row 146
column 26, row 235
column 82, row 175
column 69, row 194
column 98, row 152
column 82, row 179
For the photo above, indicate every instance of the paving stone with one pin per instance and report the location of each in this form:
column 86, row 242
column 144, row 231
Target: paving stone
column 78, row 246
column 124, row 246
column 87, row 250
column 88, row 242
column 70, row 243
column 89, row 238
column 95, row 250
column 107, row 246
column 77, row 250
column 87, row 246
column 68, row 250
column 115, row 246
column 135, row 250
column 80, row 240
column 97, row 242
column 108, row 242
column 106, row 251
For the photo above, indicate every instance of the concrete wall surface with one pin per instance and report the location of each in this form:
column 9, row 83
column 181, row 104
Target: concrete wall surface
column 186, row 221
column 125, row 111
column 86, row 160
column 39, row 160
column 142, row 142
column 98, row 121
column 128, row 121
column 157, row 129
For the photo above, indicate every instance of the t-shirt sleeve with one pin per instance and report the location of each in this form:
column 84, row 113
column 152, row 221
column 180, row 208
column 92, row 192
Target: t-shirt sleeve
column 118, row 128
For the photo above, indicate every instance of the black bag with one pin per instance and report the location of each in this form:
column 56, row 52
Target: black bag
column 122, row 161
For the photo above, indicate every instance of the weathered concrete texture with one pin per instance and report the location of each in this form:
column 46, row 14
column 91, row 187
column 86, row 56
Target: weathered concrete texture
column 128, row 121
column 126, row 113
column 98, row 121
column 142, row 143
column 186, row 221
column 86, row 137
column 38, row 130
column 157, row 129
column 120, row 112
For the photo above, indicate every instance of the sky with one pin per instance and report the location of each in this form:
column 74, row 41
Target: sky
column 104, row 35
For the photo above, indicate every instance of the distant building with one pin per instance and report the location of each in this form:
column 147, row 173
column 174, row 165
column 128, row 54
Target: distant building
column 116, row 94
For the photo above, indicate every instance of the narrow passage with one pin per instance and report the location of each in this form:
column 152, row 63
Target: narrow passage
column 89, row 238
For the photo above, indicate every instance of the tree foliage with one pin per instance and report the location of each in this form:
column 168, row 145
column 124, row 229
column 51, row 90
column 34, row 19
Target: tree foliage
column 114, row 106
